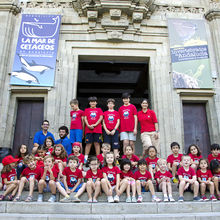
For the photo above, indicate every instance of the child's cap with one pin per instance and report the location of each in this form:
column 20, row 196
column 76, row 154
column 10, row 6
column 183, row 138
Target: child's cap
column 126, row 95
column 76, row 144
column 8, row 160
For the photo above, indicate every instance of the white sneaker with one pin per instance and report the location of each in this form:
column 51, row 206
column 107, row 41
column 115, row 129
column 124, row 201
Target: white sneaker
column 155, row 199
column 171, row 199
column 110, row 199
column 40, row 198
column 165, row 199
column 116, row 199
column 52, row 199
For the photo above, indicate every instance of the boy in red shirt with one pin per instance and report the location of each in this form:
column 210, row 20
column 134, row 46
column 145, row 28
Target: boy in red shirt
column 111, row 124
column 128, row 122
column 93, row 128
column 173, row 160
column 77, row 122
column 29, row 178
column 48, row 179
column 187, row 179
column 215, row 153
column 72, row 181
column 144, row 182
column 105, row 149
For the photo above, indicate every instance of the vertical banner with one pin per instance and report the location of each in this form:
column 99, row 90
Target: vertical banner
column 35, row 58
column 189, row 54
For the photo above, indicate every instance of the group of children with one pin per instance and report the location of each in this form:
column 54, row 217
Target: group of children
column 51, row 170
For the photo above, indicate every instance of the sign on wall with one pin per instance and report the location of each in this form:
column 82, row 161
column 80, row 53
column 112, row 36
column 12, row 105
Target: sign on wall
column 189, row 54
column 35, row 58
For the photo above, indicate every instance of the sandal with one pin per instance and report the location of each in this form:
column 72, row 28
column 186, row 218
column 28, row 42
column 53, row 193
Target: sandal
column 10, row 197
column 17, row 199
column 2, row 197
column 29, row 199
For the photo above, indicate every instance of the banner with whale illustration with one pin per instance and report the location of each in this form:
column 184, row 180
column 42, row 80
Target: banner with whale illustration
column 35, row 58
column 189, row 54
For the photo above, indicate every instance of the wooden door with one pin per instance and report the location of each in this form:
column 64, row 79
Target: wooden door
column 196, row 127
column 28, row 122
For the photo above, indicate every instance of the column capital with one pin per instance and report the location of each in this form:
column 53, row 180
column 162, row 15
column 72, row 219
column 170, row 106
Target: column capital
column 10, row 6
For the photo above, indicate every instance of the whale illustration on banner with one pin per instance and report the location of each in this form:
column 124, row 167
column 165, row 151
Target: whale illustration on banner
column 34, row 66
column 25, row 76
column 38, row 29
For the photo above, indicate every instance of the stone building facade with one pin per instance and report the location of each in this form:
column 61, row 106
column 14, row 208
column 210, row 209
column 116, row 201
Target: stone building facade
column 114, row 31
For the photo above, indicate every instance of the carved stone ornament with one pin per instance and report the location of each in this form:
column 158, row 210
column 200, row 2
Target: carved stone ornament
column 114, row 16
column 11, row 6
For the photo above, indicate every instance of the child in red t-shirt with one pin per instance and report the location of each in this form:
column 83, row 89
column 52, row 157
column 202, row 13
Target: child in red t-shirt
column 195, row 154
column 39, row 156
column 111, row 124
column 111, row 178
column 173, row 160
column 128, row 122
column 77, row 122
column 215, row 169
column 144, row 182
column 151, row 160
column 105, row 149
column 9, row 177
column 29, row 178
column 163, row 177
column 47, row 183
column 60, row 158
column 187, row 179
column 129, row 154
column 93, row 129
column 127, row 177
column 205, row 179
column 93, row 176
column 22, row 152
column 215, row 153
column 49, row 145
column 72, row 181
column 76, row 152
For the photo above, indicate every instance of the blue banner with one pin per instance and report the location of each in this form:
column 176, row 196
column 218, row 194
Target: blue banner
column 35, row 58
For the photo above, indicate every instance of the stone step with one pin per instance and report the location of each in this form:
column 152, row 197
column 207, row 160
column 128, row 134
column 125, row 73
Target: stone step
column 188, row 196
column 187, row 216
column 108, row 208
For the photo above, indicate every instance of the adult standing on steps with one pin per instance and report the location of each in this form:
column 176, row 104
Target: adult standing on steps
column 41, row 135
column 149, row 127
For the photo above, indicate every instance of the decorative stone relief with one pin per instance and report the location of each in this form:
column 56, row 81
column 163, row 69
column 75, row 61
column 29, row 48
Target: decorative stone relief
column 9, row 6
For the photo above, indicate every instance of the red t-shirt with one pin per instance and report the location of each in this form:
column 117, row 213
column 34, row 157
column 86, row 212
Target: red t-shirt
column 142, row 177
column 93, row 176
column 72, row 177
column 100, row 158
column 76, row 119
column 171, row 159
column 204, row 176
column 27, row 172
column 128, row 174
column 55, row 171
column 111, row 174
column 186, row 174
column 210, row 158
column 152, row 162
column 147, row 120
column 10, row 176
column 57, row 158
column 195, row 158
column 126, row 114
column 134, row 158
column 111, row 119
column 80, row 157
column 93, row 115
column 159, row 175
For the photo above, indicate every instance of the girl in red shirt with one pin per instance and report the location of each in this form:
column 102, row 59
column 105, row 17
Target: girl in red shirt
column 49, row 145
column 9, row 177
column 76, row 152
column 111, row 178
column 39, row 156
column 205, row 179
column 195, row 154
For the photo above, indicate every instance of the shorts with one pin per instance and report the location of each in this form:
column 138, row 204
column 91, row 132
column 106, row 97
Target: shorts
column 112, row 139
column 76, row 135
column 127, row 136
column 47, row 188
column 76, row 190
column 93, row 137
